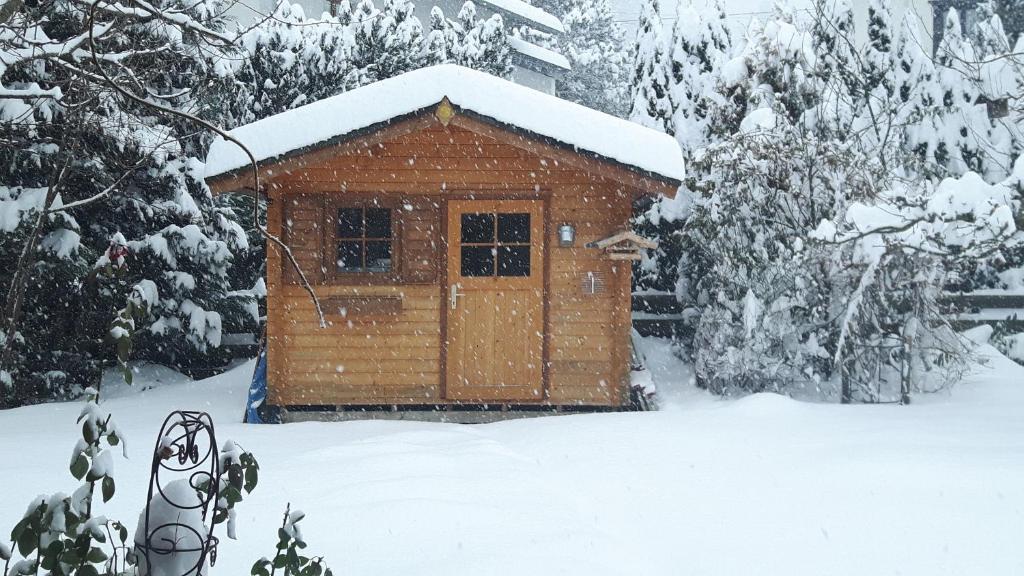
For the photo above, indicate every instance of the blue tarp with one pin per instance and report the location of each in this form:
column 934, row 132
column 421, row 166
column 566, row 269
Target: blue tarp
column 257, row 390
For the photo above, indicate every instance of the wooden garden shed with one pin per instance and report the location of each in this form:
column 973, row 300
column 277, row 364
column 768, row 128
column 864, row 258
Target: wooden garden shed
column 465, row 235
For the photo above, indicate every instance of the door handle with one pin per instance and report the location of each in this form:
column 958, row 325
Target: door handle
column 455, row 295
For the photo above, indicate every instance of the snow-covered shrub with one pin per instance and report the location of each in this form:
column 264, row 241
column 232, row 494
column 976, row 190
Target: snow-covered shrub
column 763, row 289
column 895, row 250
column 800, row 121
column 290, row 559
column 62, row 534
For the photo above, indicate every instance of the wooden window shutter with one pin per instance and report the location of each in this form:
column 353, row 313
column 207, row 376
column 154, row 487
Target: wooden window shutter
column 421, row 232
column 304, row 234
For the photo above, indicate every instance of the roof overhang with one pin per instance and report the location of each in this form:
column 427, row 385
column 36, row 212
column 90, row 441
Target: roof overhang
column 520, row 12
column 642, row 181
column 560, row 124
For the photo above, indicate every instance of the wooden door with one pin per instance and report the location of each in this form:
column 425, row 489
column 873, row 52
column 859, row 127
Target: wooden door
column 495, row 300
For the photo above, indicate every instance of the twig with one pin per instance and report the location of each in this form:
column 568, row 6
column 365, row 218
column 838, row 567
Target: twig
column 99, row 195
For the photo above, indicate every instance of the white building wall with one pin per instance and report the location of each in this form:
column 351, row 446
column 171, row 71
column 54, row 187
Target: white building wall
column 534, row 79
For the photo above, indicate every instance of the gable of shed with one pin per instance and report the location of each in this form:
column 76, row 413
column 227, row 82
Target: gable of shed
column 440, row 149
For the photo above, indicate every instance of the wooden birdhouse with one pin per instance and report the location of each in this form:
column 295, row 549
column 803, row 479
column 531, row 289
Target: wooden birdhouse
column 625, row 245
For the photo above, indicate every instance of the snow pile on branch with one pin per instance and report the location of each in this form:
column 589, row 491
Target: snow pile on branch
column 965, row 212
column 508, row 103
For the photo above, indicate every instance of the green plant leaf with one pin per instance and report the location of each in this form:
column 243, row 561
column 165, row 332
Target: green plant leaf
column 279, row 562
column 48, row 561
column 80, row 466
column 87, row 570
column 107, row 488
column 252, row 477
column 96, row 556
column 88, row 433
column 71, row 556
column 124, row 350
column 260, row 567
column 219, row 515
column 19, row 528
column 112, row 439
column 27, row 540
column 232, row 495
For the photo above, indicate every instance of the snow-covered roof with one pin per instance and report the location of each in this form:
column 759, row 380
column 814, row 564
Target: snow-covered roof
column 540, row 53
column 328, row 120
column 531, row 15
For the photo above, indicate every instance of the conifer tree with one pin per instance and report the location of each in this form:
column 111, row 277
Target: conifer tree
column 593, row 43
column 388, row 41
column 961, row 126
column 879, row 76
column 700, row 46
column 484, row 43
column 442, row 41
column 123, row 180
column 649, row 82
column 833, row 36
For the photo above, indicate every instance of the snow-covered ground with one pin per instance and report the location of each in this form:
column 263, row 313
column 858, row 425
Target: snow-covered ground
column 762, row 485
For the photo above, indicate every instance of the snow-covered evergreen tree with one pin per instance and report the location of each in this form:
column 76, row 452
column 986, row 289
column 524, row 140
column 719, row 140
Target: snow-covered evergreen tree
column 701, row 44
column 880, row 44
column 121, row 177
column 765, row 290
column 484, row 43
column 649, row 81
column 442, row 41
column 774, row 72
column 594, row 45
column 388, row 41
column 958, row 148
column 833, row 35
column 805, row 136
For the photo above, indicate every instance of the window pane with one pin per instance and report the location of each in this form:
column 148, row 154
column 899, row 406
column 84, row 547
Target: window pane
column 513, row 261
column 350, row 223
column 350, row 256
column 378, row 223
column 514, row 228
column 477, row 261
column 477, row 228
column 378, row 256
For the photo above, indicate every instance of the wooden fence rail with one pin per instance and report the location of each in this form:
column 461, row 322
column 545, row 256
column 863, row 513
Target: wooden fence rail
column 662, row 315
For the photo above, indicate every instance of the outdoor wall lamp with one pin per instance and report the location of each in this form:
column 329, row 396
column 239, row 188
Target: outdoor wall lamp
column 566, row 235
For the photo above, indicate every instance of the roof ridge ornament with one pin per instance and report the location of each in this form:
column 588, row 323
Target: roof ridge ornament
column 444, row 111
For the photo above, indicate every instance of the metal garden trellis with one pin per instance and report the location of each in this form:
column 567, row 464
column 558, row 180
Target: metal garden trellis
column 186, row 449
